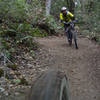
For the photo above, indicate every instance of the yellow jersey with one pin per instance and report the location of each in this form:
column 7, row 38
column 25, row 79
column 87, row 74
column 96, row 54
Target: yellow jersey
column 67, row 17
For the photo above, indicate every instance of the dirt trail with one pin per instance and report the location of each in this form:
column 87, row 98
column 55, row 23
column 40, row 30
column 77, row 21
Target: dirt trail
column 81, row 66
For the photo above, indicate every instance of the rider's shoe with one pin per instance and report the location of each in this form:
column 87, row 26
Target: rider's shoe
column 70, row 42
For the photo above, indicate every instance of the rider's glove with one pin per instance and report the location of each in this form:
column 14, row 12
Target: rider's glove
column 75, row 21
column 64, row 23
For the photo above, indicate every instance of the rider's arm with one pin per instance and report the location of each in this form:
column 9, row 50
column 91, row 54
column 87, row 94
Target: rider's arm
column 62, row 19
column 71, row 15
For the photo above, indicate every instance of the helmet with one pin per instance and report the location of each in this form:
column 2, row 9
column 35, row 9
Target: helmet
column 63, row 8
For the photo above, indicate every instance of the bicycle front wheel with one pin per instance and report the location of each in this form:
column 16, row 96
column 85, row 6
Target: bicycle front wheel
column 75, row 38
column 51, row 86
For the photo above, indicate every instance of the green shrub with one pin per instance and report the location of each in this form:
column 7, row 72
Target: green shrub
column 13, row 67
column 37, row 32
column 13, row 9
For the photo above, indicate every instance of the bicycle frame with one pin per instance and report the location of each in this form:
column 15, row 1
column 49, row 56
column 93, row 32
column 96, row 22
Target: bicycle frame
column 71, row 34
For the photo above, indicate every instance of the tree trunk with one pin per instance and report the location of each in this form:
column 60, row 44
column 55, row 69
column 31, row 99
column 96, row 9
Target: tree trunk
column 29, row 1
column 48, row 7
column 71, row 6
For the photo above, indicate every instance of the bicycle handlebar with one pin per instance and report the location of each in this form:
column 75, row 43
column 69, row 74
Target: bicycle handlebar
column 75, row 21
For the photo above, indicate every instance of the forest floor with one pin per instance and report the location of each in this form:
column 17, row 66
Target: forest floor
column 82, row 66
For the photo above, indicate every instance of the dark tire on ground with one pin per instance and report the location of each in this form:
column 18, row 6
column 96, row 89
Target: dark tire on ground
column 52, row 85
column 70, row 37
column 75, row 38
column 76, row 46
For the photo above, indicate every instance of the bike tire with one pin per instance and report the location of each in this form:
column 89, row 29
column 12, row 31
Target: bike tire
column 70, row 37
column 51, row 86
column 75, row 38
column 76, row 46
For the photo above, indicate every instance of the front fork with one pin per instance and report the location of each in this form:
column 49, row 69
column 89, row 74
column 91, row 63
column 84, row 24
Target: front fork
column 69, row 35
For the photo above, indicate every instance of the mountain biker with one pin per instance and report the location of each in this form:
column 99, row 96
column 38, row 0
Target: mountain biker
column 66, row 17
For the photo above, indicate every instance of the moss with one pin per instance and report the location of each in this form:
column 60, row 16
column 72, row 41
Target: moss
column 6, row 45
column 23, row 81
column 1, row 72
column 13, row 67
column 39, row 32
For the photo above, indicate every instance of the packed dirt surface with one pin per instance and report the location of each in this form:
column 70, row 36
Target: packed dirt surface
column 81, row 66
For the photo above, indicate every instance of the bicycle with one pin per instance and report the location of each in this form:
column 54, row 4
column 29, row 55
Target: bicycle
column 71, row 32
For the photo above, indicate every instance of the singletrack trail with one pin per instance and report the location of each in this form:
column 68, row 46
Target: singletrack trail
column 81, row 66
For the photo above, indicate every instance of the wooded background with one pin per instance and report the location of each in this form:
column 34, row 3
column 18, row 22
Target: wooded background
column 22, row 20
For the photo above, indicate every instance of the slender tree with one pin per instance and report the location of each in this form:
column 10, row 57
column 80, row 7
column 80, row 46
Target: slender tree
column 48, row 7
column 29, row 1
column 71, row 6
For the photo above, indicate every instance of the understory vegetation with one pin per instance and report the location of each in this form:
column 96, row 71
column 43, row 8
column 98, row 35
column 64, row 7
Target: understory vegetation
column 20, row 22
column 89, row 18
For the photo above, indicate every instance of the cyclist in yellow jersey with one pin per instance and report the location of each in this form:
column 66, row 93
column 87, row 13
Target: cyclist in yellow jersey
column 66, row 16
